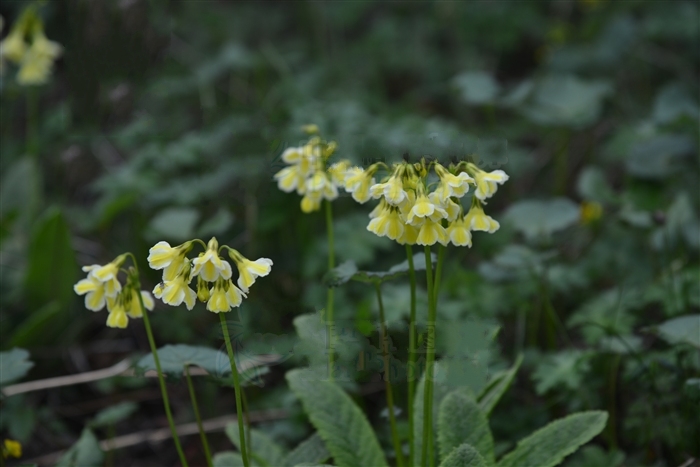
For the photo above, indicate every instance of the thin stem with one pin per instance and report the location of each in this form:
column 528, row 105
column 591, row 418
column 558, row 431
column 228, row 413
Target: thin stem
column 329, row 303
column 412, row 370
column 195, row 408
column 237, row 390
column 384, row 336
column 429, row 361
column 246, row 411
column 161, row 380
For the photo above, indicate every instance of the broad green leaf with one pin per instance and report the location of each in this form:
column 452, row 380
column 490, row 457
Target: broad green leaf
column 85, row 452
column 460, row 421
column 217, row 224
column 311, row 451
column 228, row 459
column 681, row 330
column 14, row 364
column 261, row 445
column 549, row 446
column 535, row 218
column 340, row 423
column 492, row 393
column 477, row 87
column 593, row 186
column 174, row 358
column 674, row 102
column 659, row 156
column 114, row 414
column 464, row 456
column 348, row 271
column 52, row 268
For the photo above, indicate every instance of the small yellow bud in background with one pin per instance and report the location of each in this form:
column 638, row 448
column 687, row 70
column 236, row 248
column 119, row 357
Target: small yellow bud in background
column 11, row 448
column 310, row 129
column 591, row 211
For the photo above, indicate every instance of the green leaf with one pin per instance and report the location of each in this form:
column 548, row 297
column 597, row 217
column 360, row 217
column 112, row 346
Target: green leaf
column 464, row 456
column 477, row 87
column 593, row 186
column 342, row 425
column 674, row 102
column 535, row 218
column 14, row 364
column 460, row 421
column 21, row 189
column 263, row 447
column 175, row 224
column 681, row 330
column 494, row 390
column 35, row 326
column 310, row 451
column 228, row 459
column 348, row 271
column 549, row 446
column 174, row 359
column 52, row 268
column 659, row 156
column 217, row 224
column 566, row 368
column 114, row 414
column 85, row 452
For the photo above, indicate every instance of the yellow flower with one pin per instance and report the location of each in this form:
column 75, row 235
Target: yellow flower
column 322, row 185
column 451, row 208
column 163, row 256
column 424, row 209
column 249, row 270
column 487, row 182
column 387, row 224
column 93, row 289
column 290, row 179
column 117, row 314
column 431, row 232
column 292, row 155
column 409, row 235
column 11, row 448
column 358, row 182
column 175, row 291
column 392, row 189
column 224, row 296
column 36, row 64
column 13, row 47
column 590, row 212
column 477, row 220
column 310, row 129
column 202, row 290
column 132, row 305
column 452, row 185
column 311, row 202
column 458, row 232
column 209, row 265
column 107, row 274
column 42, row 46
column 379, row 209
column 338, row 172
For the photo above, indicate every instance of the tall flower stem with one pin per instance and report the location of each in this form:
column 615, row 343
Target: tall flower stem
column 412, row 370
column 384, row 336
column 427, row 448
column 329, row 303
column 237, row 390
column 195, row 409
column 161, row 380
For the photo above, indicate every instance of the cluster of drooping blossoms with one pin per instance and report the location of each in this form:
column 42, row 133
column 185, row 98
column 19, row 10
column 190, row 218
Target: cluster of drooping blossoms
column 416, row 207
column 27, row 46
column 309, row 173
column 213, row 275
column 102, row 288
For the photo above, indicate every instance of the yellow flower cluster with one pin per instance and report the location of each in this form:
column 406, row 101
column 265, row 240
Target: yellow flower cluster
column 102, row 288
column 416, row 208
column 308, row 171
column 214, row 284
column 34, row 57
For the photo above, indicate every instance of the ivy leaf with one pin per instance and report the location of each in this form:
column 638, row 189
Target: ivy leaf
column 310, row 451
column 174, row 358
column 263, row 447
column 499, row 384
column 460, row 420
column 464, row 456
column 549, row 446
column 14, row 364
column 339, row 421
column 86, row 451
column 348, row 271
column 681, row 330
column 114, row 414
